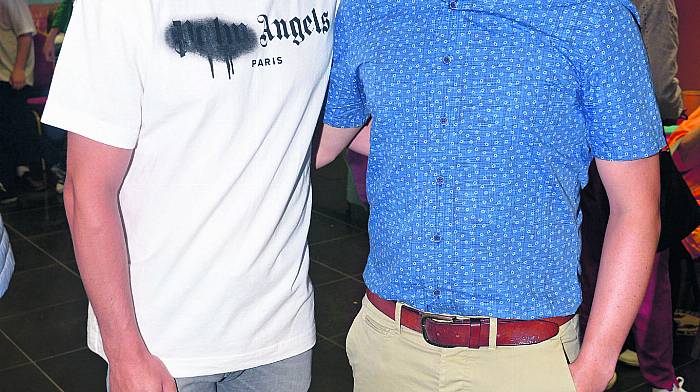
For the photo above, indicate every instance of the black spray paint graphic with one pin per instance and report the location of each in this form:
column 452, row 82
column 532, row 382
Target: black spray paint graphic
column 213, row 39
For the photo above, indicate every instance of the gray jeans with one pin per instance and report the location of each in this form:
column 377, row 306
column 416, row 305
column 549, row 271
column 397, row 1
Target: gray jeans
column 288, row 375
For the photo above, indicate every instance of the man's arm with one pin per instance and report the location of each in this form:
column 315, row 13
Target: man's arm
column 333, row 141
column 18, row 78
column 95, row 174
column 49, row 49
column 628, row 252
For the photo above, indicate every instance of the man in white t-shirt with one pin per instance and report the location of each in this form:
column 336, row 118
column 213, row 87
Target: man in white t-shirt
column 190, row 123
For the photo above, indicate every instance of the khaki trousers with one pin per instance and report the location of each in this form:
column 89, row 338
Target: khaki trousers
column 386, row 357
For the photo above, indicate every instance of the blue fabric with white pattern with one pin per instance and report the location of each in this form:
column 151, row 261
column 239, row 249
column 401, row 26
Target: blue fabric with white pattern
column 486, row 116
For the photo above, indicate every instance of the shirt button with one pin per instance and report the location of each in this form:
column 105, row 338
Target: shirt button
column 447, row 59
column 440, row 180
column 443, row 121
column 436, row 238
column 436, row 293
column 453, row 5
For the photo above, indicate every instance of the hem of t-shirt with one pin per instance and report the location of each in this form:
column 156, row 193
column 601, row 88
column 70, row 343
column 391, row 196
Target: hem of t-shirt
column 640, row 154
column 205, row 366
column 351, row 123
column 86, row 124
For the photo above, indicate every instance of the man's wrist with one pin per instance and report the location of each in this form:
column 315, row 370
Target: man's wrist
column 597, row 365
column 126, row 351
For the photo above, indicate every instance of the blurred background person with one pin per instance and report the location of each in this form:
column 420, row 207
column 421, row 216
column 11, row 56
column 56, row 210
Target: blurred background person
column 57, row 28
column 19, row 152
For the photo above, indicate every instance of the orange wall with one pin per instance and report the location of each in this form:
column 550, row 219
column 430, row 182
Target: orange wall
column 689, row 54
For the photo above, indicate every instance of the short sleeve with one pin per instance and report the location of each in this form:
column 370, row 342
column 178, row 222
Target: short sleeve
column 20, row 17
column 345, row 106
column 622, row 115
column 97, row 88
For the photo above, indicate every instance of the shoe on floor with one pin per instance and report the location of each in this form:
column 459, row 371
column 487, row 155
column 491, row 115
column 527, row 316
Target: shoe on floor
column 7, row 197
column 612, row 382
column 629, row 357
column 677, row 386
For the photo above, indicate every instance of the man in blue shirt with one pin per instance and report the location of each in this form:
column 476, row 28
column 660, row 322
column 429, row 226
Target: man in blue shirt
column 486, row 116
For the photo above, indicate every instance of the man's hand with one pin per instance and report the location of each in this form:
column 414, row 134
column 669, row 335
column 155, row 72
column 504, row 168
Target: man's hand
column 589, row 377
column 18, row 79
column 145, row 373
column 49, row 51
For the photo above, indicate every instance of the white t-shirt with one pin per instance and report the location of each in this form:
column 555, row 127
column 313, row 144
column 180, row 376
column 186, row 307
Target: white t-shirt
column 220, row 99
column 15, row 20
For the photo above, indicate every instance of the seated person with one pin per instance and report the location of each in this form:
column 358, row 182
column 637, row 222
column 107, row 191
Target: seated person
column 685, row 148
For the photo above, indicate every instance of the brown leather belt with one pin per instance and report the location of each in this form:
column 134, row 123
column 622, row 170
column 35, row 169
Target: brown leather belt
column 473, row 332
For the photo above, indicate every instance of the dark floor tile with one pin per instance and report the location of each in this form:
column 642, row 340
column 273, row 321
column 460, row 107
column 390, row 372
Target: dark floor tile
column 331, row 371
column 682, row 347
column 628, row 378
column 348, row 255
column 38, row 220
column 691, row 373
column 321, row 274
column 44, row 287
column 25, row 379
column 32, row 200
column 81, row 371
column 27, row 256
column 324, row 229
column 339, row 339
column 336, row 170
column 641, row 388
column 50, row 331
column 329, row 196
column 336, row 306
column 58, row 245
column 9, row 355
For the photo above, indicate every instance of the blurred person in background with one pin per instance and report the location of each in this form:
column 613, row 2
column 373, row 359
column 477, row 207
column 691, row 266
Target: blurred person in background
column 19, row 142
column 58, row 27
column 55, row 138
column 684, row 143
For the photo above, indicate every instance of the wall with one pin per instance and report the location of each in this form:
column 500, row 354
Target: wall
column 689, row 55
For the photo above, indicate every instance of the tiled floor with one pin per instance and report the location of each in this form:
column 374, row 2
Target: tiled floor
column 42, row 317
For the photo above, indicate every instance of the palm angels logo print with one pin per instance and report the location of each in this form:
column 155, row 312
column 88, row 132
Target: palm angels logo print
column 212, row 39
column 218, row 40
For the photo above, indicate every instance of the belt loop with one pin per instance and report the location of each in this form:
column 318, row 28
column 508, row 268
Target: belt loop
column 493, row 332
column 397, row 316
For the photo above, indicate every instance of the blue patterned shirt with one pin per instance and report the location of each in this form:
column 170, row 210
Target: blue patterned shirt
column 486, row 116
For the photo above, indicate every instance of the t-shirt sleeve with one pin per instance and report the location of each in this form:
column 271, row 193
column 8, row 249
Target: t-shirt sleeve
column 622, row 116
column 97, row 88
column 20, row 17
column 345, row 105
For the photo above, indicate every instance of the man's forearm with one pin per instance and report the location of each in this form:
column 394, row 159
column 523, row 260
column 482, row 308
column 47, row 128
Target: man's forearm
column 626, row 263
column 101, row 253
column 332, row 142
column 24, row 44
